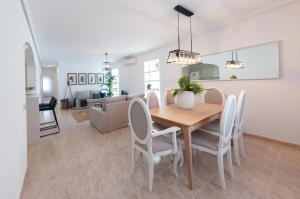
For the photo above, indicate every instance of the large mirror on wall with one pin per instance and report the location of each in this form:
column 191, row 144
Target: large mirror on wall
column 254, row 62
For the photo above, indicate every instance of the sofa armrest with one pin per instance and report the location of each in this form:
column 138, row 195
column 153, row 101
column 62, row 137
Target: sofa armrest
column 117, row 112
column 99, row 118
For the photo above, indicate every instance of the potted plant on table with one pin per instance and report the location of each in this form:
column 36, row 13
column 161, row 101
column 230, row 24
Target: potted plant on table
column 186, row 92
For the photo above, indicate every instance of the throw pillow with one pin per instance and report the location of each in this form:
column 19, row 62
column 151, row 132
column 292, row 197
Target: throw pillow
column 83, row 102
column 102, row 94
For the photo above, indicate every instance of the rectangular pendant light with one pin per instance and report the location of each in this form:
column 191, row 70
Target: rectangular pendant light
column 234, row 64
column 183, row 57
column 179, row 56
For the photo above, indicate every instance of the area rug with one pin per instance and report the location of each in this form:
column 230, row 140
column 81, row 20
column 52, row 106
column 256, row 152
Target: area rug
column 81, row 115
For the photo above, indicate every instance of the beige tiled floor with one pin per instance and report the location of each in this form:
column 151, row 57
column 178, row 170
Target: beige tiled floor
column 82, row 163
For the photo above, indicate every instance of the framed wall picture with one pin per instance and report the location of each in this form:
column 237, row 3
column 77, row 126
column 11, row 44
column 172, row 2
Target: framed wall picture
column 82, row 79
column 72, row 78
column 105, row 78
column 92, row 78
column 100, row 78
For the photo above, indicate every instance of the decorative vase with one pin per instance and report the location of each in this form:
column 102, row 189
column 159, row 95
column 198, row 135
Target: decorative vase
column 186, row 100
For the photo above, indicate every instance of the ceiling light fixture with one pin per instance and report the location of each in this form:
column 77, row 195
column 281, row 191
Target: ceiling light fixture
column 106, row 65
column 234, row 64
column 179, row 56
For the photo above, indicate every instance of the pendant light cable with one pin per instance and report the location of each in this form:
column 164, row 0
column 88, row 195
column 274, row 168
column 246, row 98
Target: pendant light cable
column 191, row 34
column 179, row 56
column 178, row 30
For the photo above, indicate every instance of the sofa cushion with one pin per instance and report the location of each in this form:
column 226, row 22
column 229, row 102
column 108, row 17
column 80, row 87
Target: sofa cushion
column 131, row 97
column 92, row 93
column 82, row 94
column 110, row 100
column 159, row 144
column 96, row 95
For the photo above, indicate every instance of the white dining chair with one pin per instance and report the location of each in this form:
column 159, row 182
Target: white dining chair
column 214, row 96
column 217, row 145
column 148, row 141
column 169, row 99
column 238, row 136
column 152, row 100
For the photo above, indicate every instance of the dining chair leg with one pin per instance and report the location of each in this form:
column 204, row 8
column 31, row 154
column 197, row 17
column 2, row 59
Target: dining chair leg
column 241, row 144
column 221, row 171
column 132, row 158
column 175, row 162
column 229, row 160
column 236, row 150
column 194, row 152
column 181, row 156
column 54, row 114
column 151, row 171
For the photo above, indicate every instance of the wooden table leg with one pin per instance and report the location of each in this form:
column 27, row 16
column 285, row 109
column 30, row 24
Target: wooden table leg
column 188, row 155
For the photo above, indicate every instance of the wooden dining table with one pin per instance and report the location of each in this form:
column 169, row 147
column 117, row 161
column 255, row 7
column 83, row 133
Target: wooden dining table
column 188, row 120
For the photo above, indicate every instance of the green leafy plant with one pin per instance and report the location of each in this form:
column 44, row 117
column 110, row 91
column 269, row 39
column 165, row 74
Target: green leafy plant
column 185, row 84
column 109, row 84
column 233, row 77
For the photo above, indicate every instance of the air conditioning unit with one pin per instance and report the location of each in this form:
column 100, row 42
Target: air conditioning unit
column 129, row 61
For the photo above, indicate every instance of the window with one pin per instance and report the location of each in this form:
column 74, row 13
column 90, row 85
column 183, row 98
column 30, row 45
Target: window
column 152, row 76
column 116, row 90
column 47, row 84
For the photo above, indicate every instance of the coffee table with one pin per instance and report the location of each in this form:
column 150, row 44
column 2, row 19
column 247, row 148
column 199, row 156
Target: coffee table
column 99, row 104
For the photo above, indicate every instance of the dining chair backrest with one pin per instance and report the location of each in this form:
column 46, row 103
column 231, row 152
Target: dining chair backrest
column 169, row 99
column 214, row 96
column 227, row 119
column 140, row 121
column 53, row 102
column 240, row 112
column 152, row 100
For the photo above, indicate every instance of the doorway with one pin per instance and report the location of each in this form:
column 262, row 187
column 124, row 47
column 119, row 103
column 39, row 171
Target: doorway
column 49, row 79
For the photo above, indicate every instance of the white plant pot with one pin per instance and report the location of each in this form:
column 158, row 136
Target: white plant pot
column 186, row 100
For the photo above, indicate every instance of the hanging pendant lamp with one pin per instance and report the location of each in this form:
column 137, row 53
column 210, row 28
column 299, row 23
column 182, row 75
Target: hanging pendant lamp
column 106, row 65
column 234, row 64
column 179, row 56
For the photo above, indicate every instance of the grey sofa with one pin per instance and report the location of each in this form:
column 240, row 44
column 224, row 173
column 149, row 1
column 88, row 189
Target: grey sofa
column 113, row 114
column 88, row 95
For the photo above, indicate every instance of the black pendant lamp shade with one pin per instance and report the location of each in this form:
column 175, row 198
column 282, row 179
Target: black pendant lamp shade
column 179, row 56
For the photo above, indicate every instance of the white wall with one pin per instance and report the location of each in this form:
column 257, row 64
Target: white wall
column 65, row 67
column 13, row 134
column 272, row 105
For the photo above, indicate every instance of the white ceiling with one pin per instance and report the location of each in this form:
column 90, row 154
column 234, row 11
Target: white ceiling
column 86, row 29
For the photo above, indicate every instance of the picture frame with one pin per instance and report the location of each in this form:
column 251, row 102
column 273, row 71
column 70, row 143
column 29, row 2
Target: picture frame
column 92, row 78
column 82, row 79
column 72, row 78
column 105, row 77
column 100, row 78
